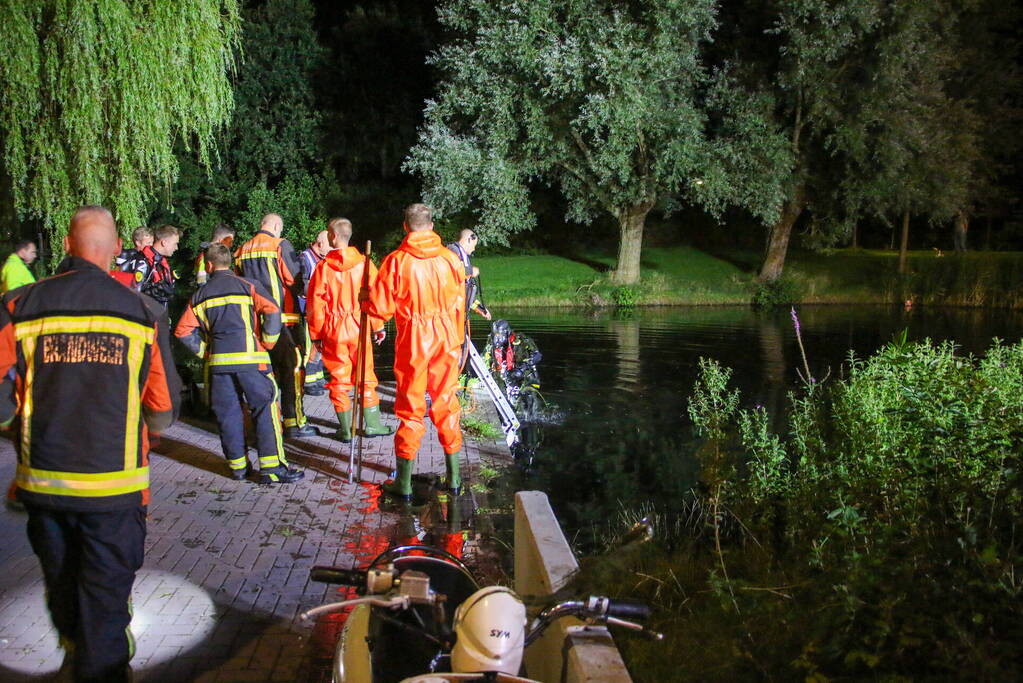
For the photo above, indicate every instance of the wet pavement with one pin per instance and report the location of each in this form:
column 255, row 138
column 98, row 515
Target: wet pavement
column 227, row 562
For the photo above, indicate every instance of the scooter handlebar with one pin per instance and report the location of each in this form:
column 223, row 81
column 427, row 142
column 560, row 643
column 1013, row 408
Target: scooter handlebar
column 345, row 577
column 628, row 609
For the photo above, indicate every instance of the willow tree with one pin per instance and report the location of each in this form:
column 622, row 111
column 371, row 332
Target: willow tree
column 611, row 102
column 95, row 93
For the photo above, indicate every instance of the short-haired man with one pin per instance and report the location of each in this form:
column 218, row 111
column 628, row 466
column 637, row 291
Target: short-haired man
column 222, row 234
column 308, row 260
column 270, row 260
column 333, row 314
column 463, row 249
column 15, row 272
column 422, row 285
column 237, row 321
column 141, row 237
column 86, row 355
column 151, row 267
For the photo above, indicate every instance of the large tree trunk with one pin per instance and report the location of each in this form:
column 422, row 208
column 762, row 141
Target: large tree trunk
column 777, row 248
column 904, row 244
column 630, row 222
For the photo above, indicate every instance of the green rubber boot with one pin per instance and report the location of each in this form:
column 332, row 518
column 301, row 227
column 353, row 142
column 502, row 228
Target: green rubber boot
column 374, row 427
column 344, row 432
column 401, row 486
column 451, row 465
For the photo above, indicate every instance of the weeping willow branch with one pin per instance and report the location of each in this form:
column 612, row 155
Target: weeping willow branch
column 94, row 95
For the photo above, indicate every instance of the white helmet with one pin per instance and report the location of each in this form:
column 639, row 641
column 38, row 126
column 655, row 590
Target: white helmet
column 490, row 627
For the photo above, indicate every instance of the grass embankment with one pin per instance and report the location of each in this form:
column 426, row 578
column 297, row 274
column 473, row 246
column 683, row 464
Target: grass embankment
column 688, row 276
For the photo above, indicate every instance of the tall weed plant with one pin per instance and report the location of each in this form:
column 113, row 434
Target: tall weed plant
column 878, row 537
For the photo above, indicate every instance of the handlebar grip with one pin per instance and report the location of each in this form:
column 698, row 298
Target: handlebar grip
column 347, row 577
column 627, row 609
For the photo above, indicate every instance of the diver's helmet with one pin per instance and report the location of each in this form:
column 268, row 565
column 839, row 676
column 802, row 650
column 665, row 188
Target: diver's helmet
column 490, row 627
column 500, row 330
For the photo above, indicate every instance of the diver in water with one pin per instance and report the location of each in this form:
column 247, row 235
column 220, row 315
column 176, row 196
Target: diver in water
column 513, row 360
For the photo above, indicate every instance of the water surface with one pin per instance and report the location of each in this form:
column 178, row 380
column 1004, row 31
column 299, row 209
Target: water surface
column 621, row 382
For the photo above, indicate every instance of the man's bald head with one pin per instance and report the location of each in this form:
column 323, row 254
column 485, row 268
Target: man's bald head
column 322, row 243
column 418, row 217
column 468, row 239
column 92, row 236
column 272, row 223
column 340, row 232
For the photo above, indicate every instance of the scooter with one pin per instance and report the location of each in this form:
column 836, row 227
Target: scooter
column 422, row 618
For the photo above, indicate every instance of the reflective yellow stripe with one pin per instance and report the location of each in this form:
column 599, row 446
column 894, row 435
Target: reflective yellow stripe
column 275, row 416
column 213, row 302
column 275, row 283
column 258, row 254
column 239, row 358
column 82, row 324
column 131, row 423
column 291, row 318
column 82, row 484
column 271, row 338
column 246, row 313
column 28, row 350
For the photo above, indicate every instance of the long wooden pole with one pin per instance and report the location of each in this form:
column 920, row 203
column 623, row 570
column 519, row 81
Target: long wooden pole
column 358, row 414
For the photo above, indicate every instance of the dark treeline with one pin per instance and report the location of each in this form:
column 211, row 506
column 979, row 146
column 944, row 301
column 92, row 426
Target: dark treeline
column 720, row 123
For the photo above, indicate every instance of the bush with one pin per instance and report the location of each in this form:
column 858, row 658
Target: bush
column 877, row 538
column 781, row 292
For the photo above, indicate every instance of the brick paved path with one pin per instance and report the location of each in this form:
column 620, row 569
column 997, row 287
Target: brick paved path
column 227, row 563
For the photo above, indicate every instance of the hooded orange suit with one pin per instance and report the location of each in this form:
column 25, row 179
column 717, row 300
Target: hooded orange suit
column 332, row 314
column 422, row 284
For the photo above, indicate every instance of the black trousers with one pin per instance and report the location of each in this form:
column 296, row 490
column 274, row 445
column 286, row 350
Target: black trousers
column 259, row 391
column 89, row 560
column 288, row 361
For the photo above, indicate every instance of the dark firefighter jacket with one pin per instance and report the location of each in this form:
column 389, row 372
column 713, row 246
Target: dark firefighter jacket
column 89, row 384
column 233, row 321
column 271, row 262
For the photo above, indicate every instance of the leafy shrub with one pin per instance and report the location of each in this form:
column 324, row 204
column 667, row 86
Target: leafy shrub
column 781, row 292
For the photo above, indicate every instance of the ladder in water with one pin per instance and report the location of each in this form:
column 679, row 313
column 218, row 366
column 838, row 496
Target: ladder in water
column 509, row 421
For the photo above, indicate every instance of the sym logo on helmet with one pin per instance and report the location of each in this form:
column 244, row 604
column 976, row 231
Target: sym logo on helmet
column 497, row 633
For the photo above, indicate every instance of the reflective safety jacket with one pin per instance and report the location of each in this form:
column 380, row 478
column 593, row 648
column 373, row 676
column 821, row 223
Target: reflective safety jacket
column 271, row 262
column 233, row 321
column 332, row 309
column 90, row 384
column 422, row 284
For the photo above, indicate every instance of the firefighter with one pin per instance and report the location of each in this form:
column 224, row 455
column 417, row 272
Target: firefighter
column 237, row 320
column 422, row 285
column 332, row 311
column 15, row 271
column 315, row 383
column 463, row 249
column 270, row 260
column 222, row 234
column 141, row 237
column 151, row 266
column 85, row 352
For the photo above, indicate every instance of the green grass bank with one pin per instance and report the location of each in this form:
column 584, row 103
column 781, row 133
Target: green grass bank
column 689, row 276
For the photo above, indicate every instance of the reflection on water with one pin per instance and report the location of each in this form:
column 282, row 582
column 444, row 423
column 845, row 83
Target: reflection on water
column 622, row 384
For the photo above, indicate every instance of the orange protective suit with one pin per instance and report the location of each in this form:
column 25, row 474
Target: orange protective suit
column 422, row 284
column 332, row 314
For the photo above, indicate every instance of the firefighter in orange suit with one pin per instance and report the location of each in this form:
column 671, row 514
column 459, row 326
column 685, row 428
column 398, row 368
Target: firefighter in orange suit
column 84, row 350
column 271, row 261
column 422, row 284
column 231, row 322
column 332, row 314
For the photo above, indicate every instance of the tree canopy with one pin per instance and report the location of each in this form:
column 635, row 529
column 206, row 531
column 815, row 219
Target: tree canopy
column 95, row 94
column 272, row 151
column 612, row 103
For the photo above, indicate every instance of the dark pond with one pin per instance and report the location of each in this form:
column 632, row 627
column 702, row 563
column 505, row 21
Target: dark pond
column 621, row 384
